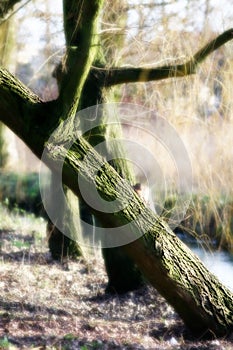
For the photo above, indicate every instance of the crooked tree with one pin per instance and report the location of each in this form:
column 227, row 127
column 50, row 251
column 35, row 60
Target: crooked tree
column 201, row 300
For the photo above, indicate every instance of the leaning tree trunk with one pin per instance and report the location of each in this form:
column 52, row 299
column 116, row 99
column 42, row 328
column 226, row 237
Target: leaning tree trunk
column 197, row 295
column 201, row 300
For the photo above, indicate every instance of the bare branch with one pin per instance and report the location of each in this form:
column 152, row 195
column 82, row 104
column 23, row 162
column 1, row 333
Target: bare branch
column 123, row 75
column 148, row 5
column 212, row 46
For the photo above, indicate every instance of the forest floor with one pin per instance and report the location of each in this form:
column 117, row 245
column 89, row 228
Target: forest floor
column 47, row 305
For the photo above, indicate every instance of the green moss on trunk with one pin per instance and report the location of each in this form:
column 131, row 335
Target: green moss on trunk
column 201, row 300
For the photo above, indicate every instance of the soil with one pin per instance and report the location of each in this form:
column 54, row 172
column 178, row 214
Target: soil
column 49, row 305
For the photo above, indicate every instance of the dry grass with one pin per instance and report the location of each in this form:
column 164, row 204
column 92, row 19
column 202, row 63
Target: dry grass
column 204, row 123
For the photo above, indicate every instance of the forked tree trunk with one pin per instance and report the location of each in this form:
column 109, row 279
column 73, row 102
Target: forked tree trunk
column 123, row 274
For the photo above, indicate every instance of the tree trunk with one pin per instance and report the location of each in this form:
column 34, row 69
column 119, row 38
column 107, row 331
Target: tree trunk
column 123, row 274
column 7, row 45
column 61, row 246
column 201, row 300
column 203, row 303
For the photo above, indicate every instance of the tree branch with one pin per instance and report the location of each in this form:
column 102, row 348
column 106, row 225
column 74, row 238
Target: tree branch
column 24, row 113
column 123, row 75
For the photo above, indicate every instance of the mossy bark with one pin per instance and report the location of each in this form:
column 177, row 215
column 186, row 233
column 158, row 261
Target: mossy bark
column 79, row 39
column 123, row 274
column 204, row 304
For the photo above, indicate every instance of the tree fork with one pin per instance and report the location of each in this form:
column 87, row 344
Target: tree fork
column 123, row 274
column 81, row 48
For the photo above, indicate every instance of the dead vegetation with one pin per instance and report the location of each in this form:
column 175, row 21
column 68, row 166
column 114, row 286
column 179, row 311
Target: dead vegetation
column 48, row 305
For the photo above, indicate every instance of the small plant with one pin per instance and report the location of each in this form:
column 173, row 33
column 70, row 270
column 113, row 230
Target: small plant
column 95, row 345
column 69, row 336
column 5, row 344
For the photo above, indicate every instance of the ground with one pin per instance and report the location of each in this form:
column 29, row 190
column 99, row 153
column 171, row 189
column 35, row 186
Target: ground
column 48, row 305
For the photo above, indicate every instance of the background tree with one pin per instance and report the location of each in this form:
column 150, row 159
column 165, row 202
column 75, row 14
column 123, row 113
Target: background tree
column 6, row 48
column 203, row 303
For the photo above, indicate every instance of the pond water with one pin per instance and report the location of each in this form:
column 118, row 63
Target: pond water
column 219, row 263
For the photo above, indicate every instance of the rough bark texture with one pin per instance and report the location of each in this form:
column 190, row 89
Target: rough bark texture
column 203, row 303
column 196, row 294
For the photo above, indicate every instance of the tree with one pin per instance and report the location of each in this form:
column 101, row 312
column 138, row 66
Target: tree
column 123, row 274
column 6, row 48
column 204, row 304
